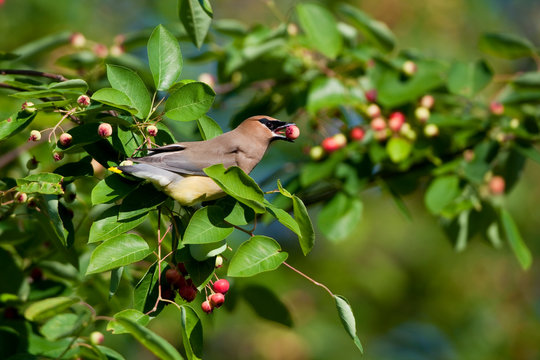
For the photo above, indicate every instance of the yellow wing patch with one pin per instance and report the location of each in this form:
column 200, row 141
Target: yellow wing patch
column 114, row 169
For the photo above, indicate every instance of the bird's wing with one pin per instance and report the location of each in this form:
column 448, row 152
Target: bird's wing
column 188, row 158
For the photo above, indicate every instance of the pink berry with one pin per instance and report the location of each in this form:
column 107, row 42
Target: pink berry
column 373, row 111
column 357, row 133
column 330, row 144
column 207, row 307
column 117, row 50
column 396, row 121
column 34, row 135
column 65, row 139
column 409, row 68
column 57, row 156
column 427, row 101
column 496, row 108
column 217, row 299
column 378, row 124
column 28, row 107
column 105, row 130
column 83, row 100
column 497, row 185
column 152, row 130
column 371, row 95
column 77, row 40
column 292, row 132
column 97, row 338
column 221, row 286
column 208, row 79
column 21, row 197
column 101, row 50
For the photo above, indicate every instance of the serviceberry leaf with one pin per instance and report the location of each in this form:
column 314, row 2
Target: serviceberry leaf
column 258, row 254
column 347, row 319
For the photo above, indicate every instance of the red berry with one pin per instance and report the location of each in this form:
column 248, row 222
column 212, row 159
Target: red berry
column 167, row 294
column 10, row 313
column 396, row 121
column 207, row 307
column 188, row 293
column 497, row 185
column 20, row 197
column 221, row 286
column 217, row 299
column 292, row 132
column 36, row 274
column 65, row 139
column 378, row 124
column 182, row 268
column 101, row 50
column 105, row 130
column 496, row 108
column 357, row 133
column 371, row 95
column 173, row 277
column 330, row 144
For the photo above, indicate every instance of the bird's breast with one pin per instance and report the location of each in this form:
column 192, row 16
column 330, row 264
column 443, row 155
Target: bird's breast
column 193, row 189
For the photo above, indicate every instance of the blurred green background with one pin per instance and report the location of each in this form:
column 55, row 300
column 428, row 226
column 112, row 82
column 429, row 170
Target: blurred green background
column 414, row 297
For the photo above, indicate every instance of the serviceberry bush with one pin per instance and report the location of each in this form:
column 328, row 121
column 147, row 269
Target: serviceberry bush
column 370, row 115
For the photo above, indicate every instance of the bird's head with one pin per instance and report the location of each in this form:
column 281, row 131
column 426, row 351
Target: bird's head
column 273, row 129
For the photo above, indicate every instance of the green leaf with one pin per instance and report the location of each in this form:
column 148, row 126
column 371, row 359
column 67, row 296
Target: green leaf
column 112, row 188
column 375, row 32
column 60, row 326
column 202, row 252
column 321, row 29
column 200, row 272
column 325, row 93
column 110, row 353
column 394, row 92
column 267, row 305
column 468, row 79
column 347, row 319
column 441, row 192
column 284, row 218
column 340, row 216
column 52, row 207
column 114, row 98
column 506, row 46
column 307, row 234
column 528, row 79
column 116, row 277
column 107, row 226
column 119, row 251
column 208, row 128
column 141, row 201
column 131, row 314
column 258, row 254
column 531, row 152
column 192, row 332
column 74, row 170
column 239, row 185
column 146, row 291
column 522, row 252
column 47, row 308
column 43, row 183
column 165, row 58
column 207, row 226
column 128, row 82
column 398, row 149
column 195, row 20
column 190, row 102
column 237, row 213
column 78, row 85
column 15, row 124
column 150, row 340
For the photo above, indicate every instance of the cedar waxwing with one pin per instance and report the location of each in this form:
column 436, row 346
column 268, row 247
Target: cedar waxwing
column 177, row 169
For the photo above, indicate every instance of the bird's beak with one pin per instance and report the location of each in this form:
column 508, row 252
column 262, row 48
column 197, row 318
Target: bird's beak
column 278, row 130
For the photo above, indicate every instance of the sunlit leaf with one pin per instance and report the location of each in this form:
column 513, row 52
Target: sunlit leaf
column 522, row 252
column 164, row 57
column 347, row 319
column 119, row 251
column 258, row 254
column 321, row 28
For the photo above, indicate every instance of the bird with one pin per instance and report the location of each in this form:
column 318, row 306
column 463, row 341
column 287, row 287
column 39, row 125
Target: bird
column 177, row 169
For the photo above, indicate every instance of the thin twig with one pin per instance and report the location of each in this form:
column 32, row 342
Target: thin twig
column 32, row 73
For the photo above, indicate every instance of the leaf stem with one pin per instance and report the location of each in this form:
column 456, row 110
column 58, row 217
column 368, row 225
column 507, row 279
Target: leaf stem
column 310, row 279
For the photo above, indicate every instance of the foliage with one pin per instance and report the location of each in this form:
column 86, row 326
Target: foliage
column 333, row 73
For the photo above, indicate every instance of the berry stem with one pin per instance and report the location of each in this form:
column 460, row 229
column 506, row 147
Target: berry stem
column 310, row 279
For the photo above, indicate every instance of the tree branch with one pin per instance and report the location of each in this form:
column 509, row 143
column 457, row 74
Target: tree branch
column 56, row 77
